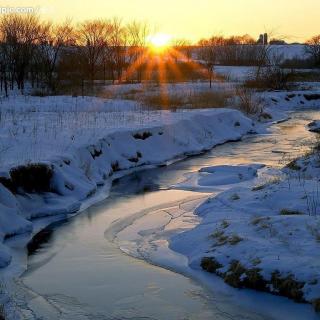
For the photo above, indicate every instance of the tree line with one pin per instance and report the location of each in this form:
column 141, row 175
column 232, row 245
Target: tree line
column 45, row 54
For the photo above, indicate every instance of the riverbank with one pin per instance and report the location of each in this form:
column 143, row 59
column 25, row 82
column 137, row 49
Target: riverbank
column 262, row 236
column 59, row 187
column 171, row 236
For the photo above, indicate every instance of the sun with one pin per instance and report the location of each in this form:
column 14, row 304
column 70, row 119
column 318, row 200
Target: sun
column 159, row 42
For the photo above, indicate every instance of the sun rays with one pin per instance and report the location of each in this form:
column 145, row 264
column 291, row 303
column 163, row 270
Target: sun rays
column 160, row 63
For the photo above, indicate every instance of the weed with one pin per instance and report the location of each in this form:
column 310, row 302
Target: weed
column 289, row 212
column 142, row 136
column 234, row 239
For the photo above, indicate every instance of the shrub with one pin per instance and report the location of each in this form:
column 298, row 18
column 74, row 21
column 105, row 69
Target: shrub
column 254, row 280
column 2, row 312
column 316, row 304
column 142, row 136
column 95, row 153
column 313, row 96
column 289, row 212
column 7, row 183
column 234, row 197
column 233, row 276
column 31, row 178
column 210, row 264
column 234, row 239
column 225, row 224
column 293, row 165
column 258, row 188
column 115, row 166
column 271, row 78
column 133, row 159
column 248, row 102
column 220, row 237
column 287, row 286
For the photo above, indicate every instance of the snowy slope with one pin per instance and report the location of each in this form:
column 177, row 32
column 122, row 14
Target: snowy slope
column 77, row 175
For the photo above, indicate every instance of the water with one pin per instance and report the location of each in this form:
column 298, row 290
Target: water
column 80, row 273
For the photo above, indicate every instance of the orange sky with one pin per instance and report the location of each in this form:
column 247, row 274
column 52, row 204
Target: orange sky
column 193, row 19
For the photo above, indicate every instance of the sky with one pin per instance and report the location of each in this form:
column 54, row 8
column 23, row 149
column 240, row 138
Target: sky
column 297, row 20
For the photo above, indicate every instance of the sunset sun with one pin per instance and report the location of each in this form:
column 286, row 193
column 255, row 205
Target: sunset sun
column 159, row 42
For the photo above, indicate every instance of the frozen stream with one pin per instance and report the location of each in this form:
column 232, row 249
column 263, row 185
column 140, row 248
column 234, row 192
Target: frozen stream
column 78, row 271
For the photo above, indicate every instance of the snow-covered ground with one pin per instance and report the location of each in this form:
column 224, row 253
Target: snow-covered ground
column 81, row 144
column 263, row 236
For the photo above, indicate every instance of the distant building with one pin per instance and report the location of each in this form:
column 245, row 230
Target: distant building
column 263, row 39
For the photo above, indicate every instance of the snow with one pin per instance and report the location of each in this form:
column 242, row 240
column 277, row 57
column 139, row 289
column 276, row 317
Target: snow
column 263, row 226
column 78, row 174
column 208, row 178
column 89, row 141
column 261, row 217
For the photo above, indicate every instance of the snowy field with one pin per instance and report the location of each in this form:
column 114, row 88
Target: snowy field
column 79, row 145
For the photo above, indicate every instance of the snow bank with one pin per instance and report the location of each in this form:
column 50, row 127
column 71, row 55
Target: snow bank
column 264, row 236
column 77, row 176
column 293, row 99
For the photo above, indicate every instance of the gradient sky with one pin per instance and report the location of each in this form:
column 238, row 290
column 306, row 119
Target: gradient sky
column 194, row 19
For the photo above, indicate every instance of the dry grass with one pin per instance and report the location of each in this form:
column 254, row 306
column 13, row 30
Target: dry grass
column 225, row 224
column 191, row 100
column 248, row 102
column 234, row 239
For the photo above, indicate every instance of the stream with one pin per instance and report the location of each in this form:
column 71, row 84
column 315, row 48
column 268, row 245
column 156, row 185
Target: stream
column 78, row 271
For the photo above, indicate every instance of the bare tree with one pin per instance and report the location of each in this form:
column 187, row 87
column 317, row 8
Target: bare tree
column 57, row 37
column 313, row 49
column 92, row 39
column 181, row 49
column 118, row 47
column 137, row 33
column 21, row 34
column 208, row 53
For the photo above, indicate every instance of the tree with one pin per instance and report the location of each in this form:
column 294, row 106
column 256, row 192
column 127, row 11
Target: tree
column 137, row 34
column 20, row 35
column 313, row 49
column 208, row 53
column 181, row 49
column 57, row 37
column 118, row 47
column 92, row 39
